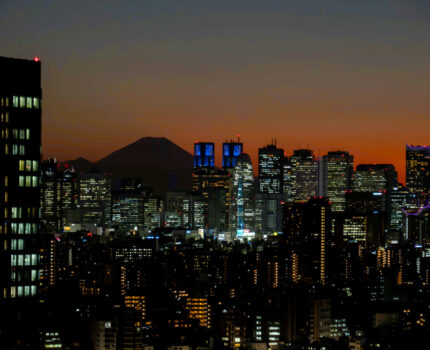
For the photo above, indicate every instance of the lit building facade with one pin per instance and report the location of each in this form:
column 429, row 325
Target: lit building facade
column 304, row 175
column 418, row 171
column 242, row 203
column 270, row 169
column 230, row 154
column 337, row 174
column 95, row 198
column 204, row 155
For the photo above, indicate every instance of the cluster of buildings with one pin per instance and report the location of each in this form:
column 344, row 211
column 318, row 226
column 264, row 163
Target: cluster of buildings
column 233, row 202
column 305, row 253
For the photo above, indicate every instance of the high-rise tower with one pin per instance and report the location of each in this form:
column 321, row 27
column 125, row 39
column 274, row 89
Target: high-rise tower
column 270, row 169
column 337, row 173
column 242, row 211
column 304, row 175
column 418, row 170
column 20, row 154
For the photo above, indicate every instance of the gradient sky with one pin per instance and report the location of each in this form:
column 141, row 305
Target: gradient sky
column 352, row 75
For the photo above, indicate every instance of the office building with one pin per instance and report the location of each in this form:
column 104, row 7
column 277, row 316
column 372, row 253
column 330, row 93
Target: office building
column 95, row 198
column 242, row 202
column 230, row 153
column 337, row 173
column 204, row 155
column 418, row 171
column 20, row 123
column 304, row 175
column 270, row 169
column 374, row 178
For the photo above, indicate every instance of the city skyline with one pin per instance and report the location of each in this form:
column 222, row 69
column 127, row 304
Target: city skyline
column 256, row 175
column 224, row 69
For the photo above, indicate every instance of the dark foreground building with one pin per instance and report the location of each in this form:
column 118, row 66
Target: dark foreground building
column 20, row 153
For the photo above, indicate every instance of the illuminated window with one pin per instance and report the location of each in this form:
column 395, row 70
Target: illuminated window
column 28, row 228
column 13, row 292
column 14, row 244
column 27, row 291
column 21, row 181
column 27, row 134
column 20, row 290
column 28, row 181
column 15, row 133
column 20, row 244
column 21, row 228
column 20, row 260
column 7, row 101
column 22, row 101
column 6, row 197
column 35, row 182
column 28, row 165
column 29, row 102
column 35, row 165
column 34, row 259
column 21, row 150
column 6, row 149
column 33, row 275
column 15, row 101
column 22, row 134
column 13, row 227
column 21, row 165
column 27, row 260
column 35, row 102
column 33, row 290
column 14, row 149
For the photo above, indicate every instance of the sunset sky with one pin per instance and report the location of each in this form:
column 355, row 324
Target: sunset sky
column 351, row 75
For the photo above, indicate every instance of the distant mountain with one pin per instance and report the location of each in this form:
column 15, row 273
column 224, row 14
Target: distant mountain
column 81, row 165
column 161, row 164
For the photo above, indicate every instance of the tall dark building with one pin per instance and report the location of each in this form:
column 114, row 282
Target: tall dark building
column 418, row 170
column 374, row 178
column 337, row 174
column 270, row 169
column 213, row 184
column 230, row 153
column 20, row 113
column 59, row 195
column 304, row 175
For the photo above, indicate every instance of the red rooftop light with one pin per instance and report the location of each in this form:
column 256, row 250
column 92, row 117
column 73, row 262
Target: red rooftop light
column 36, row 59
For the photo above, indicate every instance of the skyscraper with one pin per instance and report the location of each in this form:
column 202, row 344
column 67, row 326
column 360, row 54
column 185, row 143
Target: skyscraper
column 213, row 184
column 242, row 204
column 270, row 169
column 20, row 120
column 418, row 171
column 95, row 198
column 204, row 157
column 230, row 153
column 337, row 173
column 304, row 175
column 374, row 178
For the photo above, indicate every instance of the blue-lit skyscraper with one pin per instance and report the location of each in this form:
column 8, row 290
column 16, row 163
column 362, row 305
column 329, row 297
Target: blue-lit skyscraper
column 230, row 152
column 204, row 155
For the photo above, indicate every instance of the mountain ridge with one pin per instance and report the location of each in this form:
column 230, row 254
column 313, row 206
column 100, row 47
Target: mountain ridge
column 160, row 163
